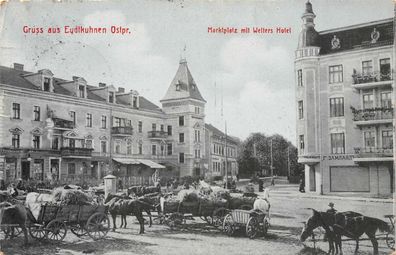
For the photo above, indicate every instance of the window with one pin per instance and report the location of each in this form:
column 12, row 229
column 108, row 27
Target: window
column 134, row 102
column 162, row 149
column 169, row 130
column 140, row 148
column 104, row 121
column 197, row 136
column 177, row 87
column 162, row 128
column 367, row 67
column 117, row 148
column 81, row 91
column 72, row 143
column 169, row 149
column 385, row 69
column 89, row 120
column 55, row 143
column 117, row 122
column 103, row 146
column 300, row 110
column 129, row 123
column 36, row 112
column 337, row 107
column 15, row 141
column 301, row 142
column 181, row 157
column 369, row 139
column 71, row 168
column 16, row 111
column 337, row 143
column 129, row 149
column 154, row 127
column 154, row 149
column 88, row 144
column 386, row 100
column 335, row 74
column 73, row 117
column 197, row 110
column 140, row 127
column 36, row 142
column 299, row 78
column 181, row 137
column 47, row 84
column 387, row 139
column 368, row 101
column 111, row 97
column 197, row 153
column 181, row 120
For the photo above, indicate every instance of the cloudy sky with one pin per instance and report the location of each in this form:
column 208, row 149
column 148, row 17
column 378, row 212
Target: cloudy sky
column 254, row 74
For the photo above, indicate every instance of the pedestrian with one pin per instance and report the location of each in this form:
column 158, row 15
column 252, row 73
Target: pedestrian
column 261, row 185
column 331, row 209
column 273, row 181
column 302, row 185
column 120, row 187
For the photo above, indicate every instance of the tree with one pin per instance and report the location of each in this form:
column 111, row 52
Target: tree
column 255, row 156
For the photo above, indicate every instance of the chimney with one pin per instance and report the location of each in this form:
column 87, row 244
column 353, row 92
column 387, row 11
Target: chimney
column 121, row 90
column 102, row 85
column 18, row 66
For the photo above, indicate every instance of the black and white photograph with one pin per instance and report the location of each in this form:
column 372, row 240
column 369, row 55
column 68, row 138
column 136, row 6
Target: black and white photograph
column 197, row 127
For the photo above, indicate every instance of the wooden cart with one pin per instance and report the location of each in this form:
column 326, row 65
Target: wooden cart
column 252, row 222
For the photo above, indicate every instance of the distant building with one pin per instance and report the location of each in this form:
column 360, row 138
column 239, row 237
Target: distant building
column 70, row 131
column 345, row 115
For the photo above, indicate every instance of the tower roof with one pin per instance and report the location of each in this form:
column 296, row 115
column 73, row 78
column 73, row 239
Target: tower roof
column 183, row 85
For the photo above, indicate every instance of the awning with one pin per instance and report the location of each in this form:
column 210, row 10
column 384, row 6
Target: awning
column 129, row 161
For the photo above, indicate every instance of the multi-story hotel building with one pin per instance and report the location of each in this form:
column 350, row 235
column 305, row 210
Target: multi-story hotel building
column 68, row 130
column 344, row 91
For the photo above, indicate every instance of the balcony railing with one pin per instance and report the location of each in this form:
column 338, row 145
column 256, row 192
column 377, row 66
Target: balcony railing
column 78, row 152
column 372, row 114
column 373, row 152
column 157, row 134
column 359, row 78
column 62, row 123
column 122, row 130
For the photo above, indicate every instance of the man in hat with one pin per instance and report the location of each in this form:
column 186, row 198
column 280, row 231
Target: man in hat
column 331, row 210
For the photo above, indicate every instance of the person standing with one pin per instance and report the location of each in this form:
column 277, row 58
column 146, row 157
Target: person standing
column 273, row 181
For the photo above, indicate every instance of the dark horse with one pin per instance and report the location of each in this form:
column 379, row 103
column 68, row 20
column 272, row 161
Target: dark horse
column 327, row 221
column 124, row 205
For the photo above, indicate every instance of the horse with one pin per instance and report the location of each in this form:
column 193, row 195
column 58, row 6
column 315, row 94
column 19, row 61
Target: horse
column 354, row 227
column 124, row 205
column 327, row 221
column 142, row 190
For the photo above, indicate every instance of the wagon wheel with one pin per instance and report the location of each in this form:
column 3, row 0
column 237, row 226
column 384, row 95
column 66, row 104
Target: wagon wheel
column 246, row 207
column 252, row 227
column 12, row 231
column 37, row 232
column 390, row 240
column 98, row 225
column 174, row 220
column 78, row 229
column 56, row 230
column 218, row 216
column 228, row 225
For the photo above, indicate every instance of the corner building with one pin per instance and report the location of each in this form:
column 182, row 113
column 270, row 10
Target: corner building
column 74, row 132
column 344, row 100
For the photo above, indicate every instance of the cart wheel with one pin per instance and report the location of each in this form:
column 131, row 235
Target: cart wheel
column 218, row 216
column 246, row 207
column 56, row 230
column 228, row 225
column 97, row 226
column 252, row 227
column 390, row 241
column 37, row 232
column 78, row 229
column 12, row 231
column 174, row 220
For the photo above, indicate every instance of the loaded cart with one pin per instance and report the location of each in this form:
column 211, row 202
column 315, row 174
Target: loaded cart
column 253, row 222
column 54, row 220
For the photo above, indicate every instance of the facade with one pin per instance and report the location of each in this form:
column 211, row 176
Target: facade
column 73, row 132
column 345, row 115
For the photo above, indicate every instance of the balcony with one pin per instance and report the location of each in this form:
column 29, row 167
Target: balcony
column 371, row 80
column 69, row 152
column 63, row 124
column 368, row 154
column 372, row 116
column 122, row 131
column 157, row 134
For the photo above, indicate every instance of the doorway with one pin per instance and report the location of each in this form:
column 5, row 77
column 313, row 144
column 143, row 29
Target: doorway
column 312, row 179
column 25, row 165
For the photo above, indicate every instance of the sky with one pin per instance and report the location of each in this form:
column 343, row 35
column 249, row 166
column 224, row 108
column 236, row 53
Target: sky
column 247, row 79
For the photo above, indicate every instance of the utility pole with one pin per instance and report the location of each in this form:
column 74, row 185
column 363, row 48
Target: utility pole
column 225, row 153
column 288, row 161
column 272, row 166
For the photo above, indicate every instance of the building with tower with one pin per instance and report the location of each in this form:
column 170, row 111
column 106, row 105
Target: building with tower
column 69, row 131
column 344, row 102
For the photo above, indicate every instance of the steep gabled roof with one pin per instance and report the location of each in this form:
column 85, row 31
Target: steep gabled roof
column 183, row 85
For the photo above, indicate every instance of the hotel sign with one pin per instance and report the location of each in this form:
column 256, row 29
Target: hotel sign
column 339, row 157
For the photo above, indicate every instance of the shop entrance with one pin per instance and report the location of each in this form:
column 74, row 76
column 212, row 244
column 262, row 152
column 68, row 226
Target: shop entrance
column 25, row 167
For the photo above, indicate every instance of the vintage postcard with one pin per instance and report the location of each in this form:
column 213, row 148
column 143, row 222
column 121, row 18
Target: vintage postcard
column 197, row 127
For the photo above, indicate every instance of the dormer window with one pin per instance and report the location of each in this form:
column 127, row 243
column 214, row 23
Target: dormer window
column 47, row 84
column 193, row 86
column 81, row 91
column 111, row 97
column 178, row 87
column 134, row 102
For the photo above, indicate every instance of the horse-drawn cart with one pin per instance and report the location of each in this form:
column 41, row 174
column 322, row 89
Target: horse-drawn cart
column 54, row 221
column 252, row 221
